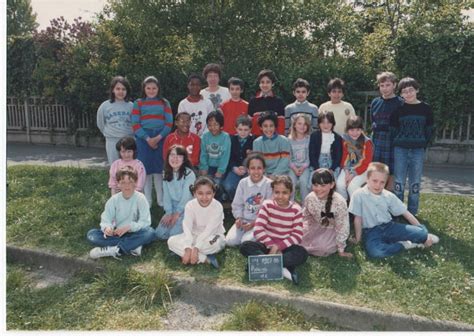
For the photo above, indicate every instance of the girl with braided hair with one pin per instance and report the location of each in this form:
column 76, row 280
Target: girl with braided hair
column 325, row 217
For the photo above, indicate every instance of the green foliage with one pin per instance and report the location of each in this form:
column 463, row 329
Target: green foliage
column 21, row 20
column 20, row 66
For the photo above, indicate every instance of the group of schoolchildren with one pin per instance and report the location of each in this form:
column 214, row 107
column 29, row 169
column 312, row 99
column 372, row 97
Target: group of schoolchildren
column 256, row 155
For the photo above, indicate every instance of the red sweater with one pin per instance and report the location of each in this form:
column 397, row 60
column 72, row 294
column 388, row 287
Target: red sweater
column 360, row 166
column 232, row 110
column 279, row 226
column 191, row 142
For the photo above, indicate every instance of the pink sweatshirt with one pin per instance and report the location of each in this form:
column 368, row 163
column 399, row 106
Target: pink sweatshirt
column 135, row 164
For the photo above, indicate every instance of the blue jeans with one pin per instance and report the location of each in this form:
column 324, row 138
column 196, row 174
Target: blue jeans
column 302, row 182
column 231, row 182
column 408, row 161
column 383, row 240
column 163, row 232
column 211, row 172
column 126, row 243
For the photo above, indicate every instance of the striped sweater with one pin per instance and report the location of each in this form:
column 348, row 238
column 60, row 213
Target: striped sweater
column 279, row 226
column 276, row 151
column 151, row 114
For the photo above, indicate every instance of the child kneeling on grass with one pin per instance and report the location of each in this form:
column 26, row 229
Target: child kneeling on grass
column 125, row 223
column 279, row 229
column 373, row 208
column 203, row 226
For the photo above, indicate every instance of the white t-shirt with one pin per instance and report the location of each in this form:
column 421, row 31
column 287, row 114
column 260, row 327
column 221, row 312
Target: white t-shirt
column 216, row 97
column 198, row 112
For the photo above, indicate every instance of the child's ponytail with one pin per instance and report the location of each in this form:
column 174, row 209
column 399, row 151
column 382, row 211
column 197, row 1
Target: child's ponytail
column 327, row 210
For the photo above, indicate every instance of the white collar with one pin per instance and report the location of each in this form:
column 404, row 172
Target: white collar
column 258, row 184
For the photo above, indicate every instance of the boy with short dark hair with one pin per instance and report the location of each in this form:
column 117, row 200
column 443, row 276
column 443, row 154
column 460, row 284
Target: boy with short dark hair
column 274, row 147
column 411, row 129
column 214, row 92
column 182, row 136
column 215, row 148
column 373, row 208
column 301, row 91
column 235, row 106
column 241, row 146
column 196, row 105
column 342, row 110
column 266, row 100
column 125, row 224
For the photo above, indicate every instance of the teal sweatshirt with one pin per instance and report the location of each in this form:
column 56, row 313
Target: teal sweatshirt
column 215, row 151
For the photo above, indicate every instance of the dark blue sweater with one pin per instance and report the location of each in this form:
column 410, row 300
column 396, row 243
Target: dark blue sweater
column 315, row 142
column 238, row 153
column 411, row 126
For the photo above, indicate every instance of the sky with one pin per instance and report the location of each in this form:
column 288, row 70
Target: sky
column 70, row 9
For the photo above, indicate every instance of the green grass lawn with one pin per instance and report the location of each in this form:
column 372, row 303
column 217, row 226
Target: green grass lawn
column 52, row 208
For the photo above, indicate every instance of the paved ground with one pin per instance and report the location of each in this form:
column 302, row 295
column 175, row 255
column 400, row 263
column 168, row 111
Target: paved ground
column 436, row 179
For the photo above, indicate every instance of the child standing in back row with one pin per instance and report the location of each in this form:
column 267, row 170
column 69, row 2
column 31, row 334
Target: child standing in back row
column 411, row 129
column 301, row 91
column 342, row 110
column 114, row 116
column 266, row 100
column 152, row 120
column 196, row 105
column 203, row 226
column 235, row 107
column 381, row 110
column 357, row 151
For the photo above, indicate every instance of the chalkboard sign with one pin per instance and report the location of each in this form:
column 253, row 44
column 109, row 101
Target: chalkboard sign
column 265, row 267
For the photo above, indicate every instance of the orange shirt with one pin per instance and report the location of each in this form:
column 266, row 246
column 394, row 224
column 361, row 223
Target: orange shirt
column 232, row 110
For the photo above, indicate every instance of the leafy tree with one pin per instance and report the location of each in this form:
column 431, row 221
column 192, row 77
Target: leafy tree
column 20, row 18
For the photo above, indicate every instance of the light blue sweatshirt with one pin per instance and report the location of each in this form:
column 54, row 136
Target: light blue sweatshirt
column 215, row 151
column 120, row 211
column 176, row 192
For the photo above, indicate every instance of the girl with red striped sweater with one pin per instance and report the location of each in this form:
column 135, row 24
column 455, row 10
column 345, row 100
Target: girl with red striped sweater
column 279, row 229
column 357, row 152
column 152, row 120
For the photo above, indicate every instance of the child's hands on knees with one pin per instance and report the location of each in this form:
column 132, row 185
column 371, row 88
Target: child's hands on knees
column 248, row 226
column 108, row 231
column 194, row 256
column 186, row 258
column 121, row 231
column 274, row 250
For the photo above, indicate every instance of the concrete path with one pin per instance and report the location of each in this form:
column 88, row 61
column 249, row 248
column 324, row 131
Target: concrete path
column 436, row 179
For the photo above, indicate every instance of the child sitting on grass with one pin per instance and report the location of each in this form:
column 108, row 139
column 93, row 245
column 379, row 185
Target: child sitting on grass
column 125, row 224
column 127, row 148
column 279, row 229
column 373, row 208
column 326, row 220
column 203, row 226
column 250, row 194
column 178, row 177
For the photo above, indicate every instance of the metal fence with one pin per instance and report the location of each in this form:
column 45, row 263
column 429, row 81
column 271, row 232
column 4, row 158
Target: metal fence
column 40, row 114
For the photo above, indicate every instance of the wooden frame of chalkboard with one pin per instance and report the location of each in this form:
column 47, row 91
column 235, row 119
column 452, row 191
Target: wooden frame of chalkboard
column 265, row 267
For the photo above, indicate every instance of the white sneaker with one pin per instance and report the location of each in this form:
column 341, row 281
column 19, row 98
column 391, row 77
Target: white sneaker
column 107, row 251
column 137, row 252
column 434, row 238
column 286, row 273
column 408, row 245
